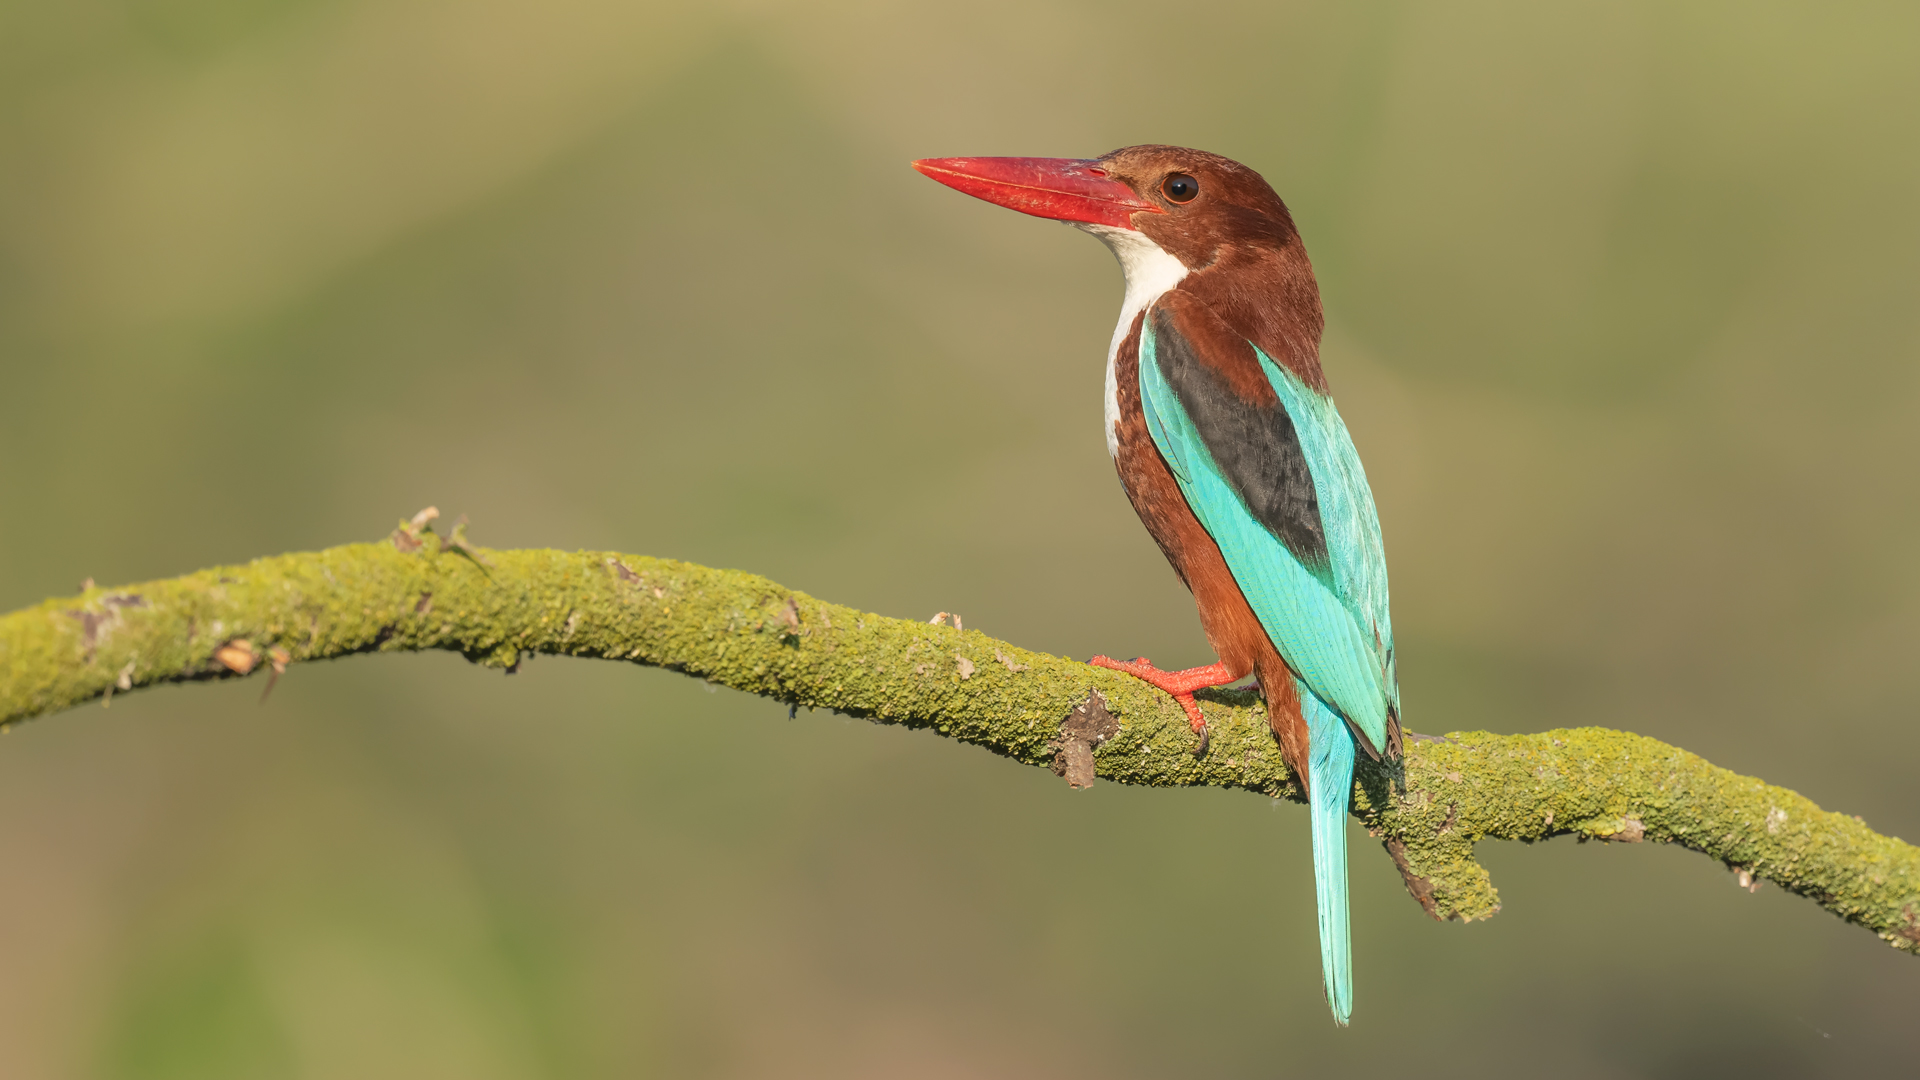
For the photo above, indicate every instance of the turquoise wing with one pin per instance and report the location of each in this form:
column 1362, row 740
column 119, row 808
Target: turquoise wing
column 1330, row 622
column 1347, row 514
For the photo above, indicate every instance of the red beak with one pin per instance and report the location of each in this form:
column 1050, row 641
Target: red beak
column 1064, row 189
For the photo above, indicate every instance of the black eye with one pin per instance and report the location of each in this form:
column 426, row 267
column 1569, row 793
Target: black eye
column 1180, row 187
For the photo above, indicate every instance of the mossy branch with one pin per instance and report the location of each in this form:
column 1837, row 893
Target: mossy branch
column 418, row 591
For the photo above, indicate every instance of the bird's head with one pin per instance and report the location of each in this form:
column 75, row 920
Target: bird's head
column 1197, row 207
column 1174, row 217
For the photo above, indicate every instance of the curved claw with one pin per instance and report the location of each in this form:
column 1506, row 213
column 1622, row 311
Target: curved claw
column 1179, row 684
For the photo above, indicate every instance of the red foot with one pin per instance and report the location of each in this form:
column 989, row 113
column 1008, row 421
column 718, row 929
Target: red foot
column 1181, row 684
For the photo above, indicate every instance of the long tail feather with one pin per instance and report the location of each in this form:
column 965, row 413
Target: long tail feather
column 1330, row 765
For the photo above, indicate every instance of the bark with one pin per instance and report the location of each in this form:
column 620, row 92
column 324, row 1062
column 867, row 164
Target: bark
column 417, row 590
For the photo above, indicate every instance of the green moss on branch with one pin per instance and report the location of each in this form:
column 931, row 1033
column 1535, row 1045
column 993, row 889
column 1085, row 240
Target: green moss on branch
column 743, row 631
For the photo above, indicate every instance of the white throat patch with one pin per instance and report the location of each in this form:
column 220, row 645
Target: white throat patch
column 1150, row 273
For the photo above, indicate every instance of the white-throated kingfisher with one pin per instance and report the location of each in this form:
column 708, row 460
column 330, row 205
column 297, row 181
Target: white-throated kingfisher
column 1221, row 426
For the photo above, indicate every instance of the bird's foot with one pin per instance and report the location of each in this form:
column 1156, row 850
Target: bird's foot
column 1181, row 684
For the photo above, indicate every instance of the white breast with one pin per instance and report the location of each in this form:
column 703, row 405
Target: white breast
column 1150, row 273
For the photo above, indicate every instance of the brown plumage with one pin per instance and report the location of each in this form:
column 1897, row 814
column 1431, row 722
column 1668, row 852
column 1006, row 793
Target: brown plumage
column 1232, row 629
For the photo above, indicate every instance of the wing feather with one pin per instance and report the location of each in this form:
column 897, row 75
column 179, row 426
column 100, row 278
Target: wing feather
column 1331, row 627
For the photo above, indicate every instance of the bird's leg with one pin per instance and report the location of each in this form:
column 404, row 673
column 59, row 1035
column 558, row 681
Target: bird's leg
column 1181, row 684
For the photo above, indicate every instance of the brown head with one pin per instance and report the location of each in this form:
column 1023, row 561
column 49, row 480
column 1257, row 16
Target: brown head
column 1234, row 242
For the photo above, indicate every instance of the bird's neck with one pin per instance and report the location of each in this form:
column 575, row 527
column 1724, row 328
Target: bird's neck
column 1150, row 272
column 1266, row 294
column 1149, row 269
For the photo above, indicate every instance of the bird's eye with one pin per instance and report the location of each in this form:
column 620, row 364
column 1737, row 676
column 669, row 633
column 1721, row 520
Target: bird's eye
column 1180, row 187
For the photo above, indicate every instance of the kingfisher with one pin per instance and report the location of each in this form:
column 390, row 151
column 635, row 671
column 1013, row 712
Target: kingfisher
column 1222, row 428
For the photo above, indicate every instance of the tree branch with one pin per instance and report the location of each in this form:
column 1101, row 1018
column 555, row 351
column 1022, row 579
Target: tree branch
column 419, row 591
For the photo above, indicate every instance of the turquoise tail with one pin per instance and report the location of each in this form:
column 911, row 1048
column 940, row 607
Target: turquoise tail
column 1330, row 749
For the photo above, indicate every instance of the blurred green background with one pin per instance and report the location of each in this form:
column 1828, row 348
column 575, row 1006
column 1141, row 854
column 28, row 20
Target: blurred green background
column 1622, row 314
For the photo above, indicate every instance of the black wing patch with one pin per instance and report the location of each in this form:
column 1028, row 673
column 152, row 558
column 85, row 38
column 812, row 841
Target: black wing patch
column 1255, row 446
